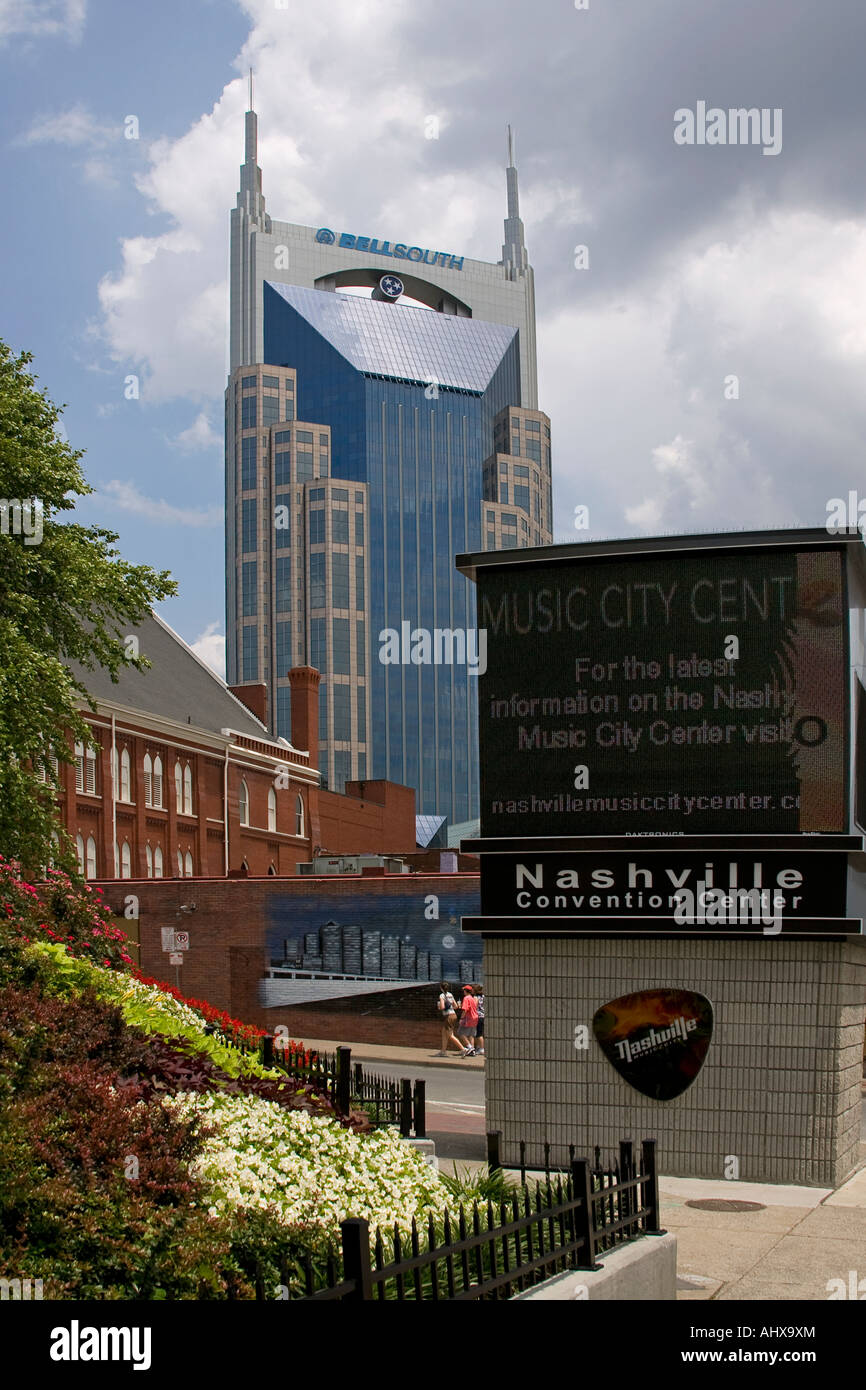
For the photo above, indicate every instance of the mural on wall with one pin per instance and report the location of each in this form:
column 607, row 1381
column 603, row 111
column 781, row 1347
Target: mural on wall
column 656, row 1039
column 333, row 943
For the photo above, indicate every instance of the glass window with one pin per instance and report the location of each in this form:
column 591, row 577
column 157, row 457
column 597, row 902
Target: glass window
column 250, row 597
column 290, row 384
column 305, row 436
column 157, row 862
column 361, row 643
column 284, row 519
column 125, row 780
column 248, row 413
column 317, row 579
column 79, row 850
column 178, row 787
column 340, row 652
column 521, row 470
column 250, row 654
column 509, row 519
column 147, row 770
column 290, row 408
column 361, row 702
column 359, row 528
column 249, row 524
column 317, row 494
column 157, row 781
column 299, row 815
column 340, row 527
column 503, row 470
column 342, row 726
column 284, row 648
column 342, row 769
column 283, row 468
column 247, row 381
column 532, row 426
column 503, row 492
column 148, row 854
column 272, row 809
column 188, row 864
column 180, row 863
column 509, row 540
column 283, row 437
column 284, row 711
column 90, row 866
column 248, row 462
column 243, row 804
column 304, row 464
column 521, row 497
column 362, row 767
column 340, row 494
column 187, row 790
column 359, row 581
column 323, row 441
column 340, row 579
column 317, row 526
column 323, row 465
column 533, row 449
column 271, row 382
column 270, row 410
column 283, row 583
column 126, row 861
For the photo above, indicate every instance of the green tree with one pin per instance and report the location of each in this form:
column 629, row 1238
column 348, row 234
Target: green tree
column 65, row 595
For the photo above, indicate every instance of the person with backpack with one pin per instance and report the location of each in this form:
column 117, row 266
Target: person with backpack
column 447, row 1012
column 468, row 1025
column 479, row 1031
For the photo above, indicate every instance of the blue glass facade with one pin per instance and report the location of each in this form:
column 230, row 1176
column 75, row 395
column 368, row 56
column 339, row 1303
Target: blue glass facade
column 410, row 396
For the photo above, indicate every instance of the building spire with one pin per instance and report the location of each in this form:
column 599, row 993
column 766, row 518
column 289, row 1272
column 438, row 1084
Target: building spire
column 514, row 254
column 250, row 196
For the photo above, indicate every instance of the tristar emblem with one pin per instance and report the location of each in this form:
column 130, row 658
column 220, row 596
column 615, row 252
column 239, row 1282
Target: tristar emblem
column 657, row 1040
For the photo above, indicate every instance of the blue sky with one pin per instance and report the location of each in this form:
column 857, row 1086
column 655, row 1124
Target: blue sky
column 703, row 262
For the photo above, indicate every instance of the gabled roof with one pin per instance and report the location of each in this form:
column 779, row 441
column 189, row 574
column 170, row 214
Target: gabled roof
column 178, row 686
column 401, row 342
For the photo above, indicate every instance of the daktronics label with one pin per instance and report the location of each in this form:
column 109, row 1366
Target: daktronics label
column 612, row 702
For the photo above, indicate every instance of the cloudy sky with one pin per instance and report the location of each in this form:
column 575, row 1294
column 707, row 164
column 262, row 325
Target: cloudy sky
column 704, row 370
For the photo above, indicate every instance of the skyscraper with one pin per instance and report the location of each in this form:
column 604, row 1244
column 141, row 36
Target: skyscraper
column 368, row 441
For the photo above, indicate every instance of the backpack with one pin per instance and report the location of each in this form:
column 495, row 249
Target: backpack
column 449, row 1005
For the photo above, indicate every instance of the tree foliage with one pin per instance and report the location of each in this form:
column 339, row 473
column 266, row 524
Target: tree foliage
column 67, row 597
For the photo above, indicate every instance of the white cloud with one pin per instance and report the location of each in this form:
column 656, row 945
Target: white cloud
column 127, row 497
column 199, row 435
column 42, row 18
column 210, row 647
column 75, row 126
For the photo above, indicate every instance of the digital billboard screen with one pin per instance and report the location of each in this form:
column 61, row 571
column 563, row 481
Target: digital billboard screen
column 683, row 692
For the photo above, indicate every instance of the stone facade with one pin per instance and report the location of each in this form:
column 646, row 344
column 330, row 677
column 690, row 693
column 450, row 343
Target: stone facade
column 780, row 1087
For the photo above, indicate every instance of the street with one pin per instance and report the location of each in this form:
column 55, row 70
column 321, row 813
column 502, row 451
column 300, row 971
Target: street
column 455, row 1106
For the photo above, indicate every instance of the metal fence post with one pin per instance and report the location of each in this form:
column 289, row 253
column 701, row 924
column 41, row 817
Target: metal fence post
column 627, row 1202
column 651, row 1188
column 584, row 1216
column 405, row 1107
column 419, row 1106
column 344, row 1080
column 355, row 1233
column 267, row 1050
column 494, row 1141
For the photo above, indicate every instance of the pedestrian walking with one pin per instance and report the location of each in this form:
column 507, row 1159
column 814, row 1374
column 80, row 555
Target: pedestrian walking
column 468, row 1025
column 479, row 1031
column 446, row 1009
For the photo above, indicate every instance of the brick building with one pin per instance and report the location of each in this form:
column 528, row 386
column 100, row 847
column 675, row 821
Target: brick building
column 186, row 781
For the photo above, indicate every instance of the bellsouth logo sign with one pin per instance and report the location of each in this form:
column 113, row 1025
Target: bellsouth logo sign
column 399, row 250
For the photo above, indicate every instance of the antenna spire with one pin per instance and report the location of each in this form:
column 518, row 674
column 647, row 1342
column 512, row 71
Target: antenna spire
column 514, row 254
column 250, row 195
column 251, row 89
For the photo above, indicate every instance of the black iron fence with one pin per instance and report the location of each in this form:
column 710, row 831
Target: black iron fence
column 384, row 1099
column 495, row 1249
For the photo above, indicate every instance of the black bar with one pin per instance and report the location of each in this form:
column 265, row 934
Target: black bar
column 626, row 1170
column 650, row 1194
column 419, row 1108
column 355, row 1233
column 405, row 1107
column 581, row 1183
column 494, row 1141
column 267, row 1050
column 343, row 1090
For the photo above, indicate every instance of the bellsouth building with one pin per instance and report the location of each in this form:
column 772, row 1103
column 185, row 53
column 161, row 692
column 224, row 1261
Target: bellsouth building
column 369, row 439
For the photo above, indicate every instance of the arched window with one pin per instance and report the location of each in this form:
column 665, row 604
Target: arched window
column 157, row 862
column 271, row 870
column 187, row 790
column 148, row 780
column 244, row 804
column 85, row 769
column 178, row 787
column 79, row 850
column 179, row 864
column 157, row 781
column 148, row 854
column 125, row 794
column 299, row 815
column 272, row 809
column 90, row 866
column 126, row 861
column 187, row 863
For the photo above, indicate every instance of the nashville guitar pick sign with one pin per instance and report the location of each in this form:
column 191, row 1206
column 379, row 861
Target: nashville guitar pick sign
column 656, row 1040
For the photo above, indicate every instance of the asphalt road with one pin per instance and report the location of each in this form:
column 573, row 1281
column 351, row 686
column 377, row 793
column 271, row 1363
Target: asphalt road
column 455, row 1106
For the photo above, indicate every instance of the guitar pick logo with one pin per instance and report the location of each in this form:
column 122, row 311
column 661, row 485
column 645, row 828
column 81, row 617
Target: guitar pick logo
column 657, row 1040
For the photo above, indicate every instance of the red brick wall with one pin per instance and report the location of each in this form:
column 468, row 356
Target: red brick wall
column 381, row 819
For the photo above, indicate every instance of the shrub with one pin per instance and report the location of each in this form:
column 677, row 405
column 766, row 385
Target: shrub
column 60, row 910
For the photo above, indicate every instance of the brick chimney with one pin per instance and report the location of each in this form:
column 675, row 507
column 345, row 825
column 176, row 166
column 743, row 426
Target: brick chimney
column 304, row 682
column 255, row 697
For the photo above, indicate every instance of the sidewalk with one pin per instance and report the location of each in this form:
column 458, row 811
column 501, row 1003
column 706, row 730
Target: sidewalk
column 409, row 1057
